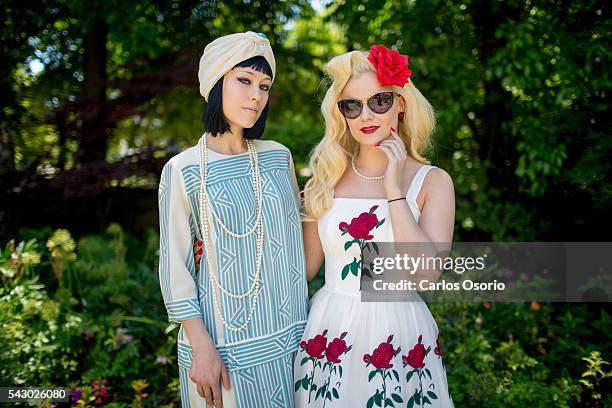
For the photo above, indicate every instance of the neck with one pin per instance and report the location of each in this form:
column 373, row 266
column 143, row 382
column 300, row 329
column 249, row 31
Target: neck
column 230, row 142
column 371, row 161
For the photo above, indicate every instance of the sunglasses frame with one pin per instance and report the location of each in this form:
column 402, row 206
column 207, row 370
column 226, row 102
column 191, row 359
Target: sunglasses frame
column 361, row 101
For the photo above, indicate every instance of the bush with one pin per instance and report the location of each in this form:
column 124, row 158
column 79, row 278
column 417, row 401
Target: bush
column 516, row 354
column 99, row 327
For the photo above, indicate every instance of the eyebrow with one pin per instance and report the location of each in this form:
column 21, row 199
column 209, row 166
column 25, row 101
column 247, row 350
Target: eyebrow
column 251, row 73
column 354, row 97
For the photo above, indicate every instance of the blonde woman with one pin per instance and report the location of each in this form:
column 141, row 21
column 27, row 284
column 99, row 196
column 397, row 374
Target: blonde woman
column 371, row 183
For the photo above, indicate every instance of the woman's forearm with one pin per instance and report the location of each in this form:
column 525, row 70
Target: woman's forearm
column 313, row 249
column 407, row 230
column 198, row 336
column 405, row 227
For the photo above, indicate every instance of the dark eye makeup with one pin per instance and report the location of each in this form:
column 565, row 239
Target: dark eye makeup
column 247, row 81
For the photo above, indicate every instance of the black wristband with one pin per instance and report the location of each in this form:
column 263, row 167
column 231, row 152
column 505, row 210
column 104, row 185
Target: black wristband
column 395, row 199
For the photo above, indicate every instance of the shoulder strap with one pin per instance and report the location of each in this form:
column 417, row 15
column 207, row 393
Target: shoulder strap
column 417, row 182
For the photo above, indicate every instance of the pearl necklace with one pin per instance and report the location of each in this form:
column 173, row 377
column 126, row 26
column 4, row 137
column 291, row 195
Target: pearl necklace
column 361, row 175
column 255, row 287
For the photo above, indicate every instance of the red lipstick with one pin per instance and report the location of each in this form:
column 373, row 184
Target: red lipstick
column 369, row 129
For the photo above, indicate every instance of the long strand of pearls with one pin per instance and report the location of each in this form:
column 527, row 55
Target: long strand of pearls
column 258, row 221
column 257, row 227
column 252, row 157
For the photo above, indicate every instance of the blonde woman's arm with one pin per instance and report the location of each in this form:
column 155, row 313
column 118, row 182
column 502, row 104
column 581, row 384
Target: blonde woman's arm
column 313, row 249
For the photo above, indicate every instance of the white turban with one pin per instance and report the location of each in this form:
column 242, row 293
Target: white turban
column 224, row 53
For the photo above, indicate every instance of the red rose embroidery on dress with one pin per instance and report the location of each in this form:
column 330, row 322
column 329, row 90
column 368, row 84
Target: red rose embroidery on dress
column 315, row 346
column 360, row 229
column 416, row 356
column 416, row 360
column 335, row 349
column 318, row 349
column 391, row 66
column 437, row 349
column 381, row 359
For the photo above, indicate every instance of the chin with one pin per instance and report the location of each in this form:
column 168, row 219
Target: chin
column 247, row 124
column 367, row 140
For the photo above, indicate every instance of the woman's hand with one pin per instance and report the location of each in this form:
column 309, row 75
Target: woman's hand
column 207, row 371
column 198, row 251
column 394, row 148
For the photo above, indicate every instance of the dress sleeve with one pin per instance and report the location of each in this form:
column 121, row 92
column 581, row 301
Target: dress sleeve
column 179, row 289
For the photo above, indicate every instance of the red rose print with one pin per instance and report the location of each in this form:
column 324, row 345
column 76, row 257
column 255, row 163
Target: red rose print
column 315, row 346
column 391, row 66
column 381, row 359
column 437, row 349
column 416, row 359
column 382, row 355
column 334, row 350
column 360, row 231
column 416, row 356
column 360, row 227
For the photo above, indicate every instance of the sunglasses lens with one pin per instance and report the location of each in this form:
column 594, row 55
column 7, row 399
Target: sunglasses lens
column 350, row 108
column 381, row 102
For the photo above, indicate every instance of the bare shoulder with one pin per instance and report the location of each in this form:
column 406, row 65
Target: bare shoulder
column 438, row 181
column 438, row 176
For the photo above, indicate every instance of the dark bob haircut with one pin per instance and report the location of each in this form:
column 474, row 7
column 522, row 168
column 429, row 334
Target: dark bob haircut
column 214, row 120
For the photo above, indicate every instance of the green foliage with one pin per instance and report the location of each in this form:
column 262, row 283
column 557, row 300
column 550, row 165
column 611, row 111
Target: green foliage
column 300, row 133
column 596, row 374
column 15, row 262
column 490, row 358
column 103, row 321
column 40, row 340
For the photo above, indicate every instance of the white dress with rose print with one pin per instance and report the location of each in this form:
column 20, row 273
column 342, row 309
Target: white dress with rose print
column 358, row 354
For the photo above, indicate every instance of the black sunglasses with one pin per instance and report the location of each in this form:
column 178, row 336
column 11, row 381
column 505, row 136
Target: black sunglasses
column 378, row 103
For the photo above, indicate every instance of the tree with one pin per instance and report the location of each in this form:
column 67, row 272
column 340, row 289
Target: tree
column 519, row 89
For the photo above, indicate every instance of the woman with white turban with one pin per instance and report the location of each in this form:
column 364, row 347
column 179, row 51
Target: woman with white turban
column 232, row 269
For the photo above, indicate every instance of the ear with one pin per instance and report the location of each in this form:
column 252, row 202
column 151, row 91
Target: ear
column 401, row 104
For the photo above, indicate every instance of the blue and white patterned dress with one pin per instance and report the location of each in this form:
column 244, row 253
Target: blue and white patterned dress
column 259, row 359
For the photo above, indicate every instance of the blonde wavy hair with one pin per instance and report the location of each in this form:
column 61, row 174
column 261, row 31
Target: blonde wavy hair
column 330, row 157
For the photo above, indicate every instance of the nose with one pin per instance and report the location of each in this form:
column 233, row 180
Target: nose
column 366, row 113
column 256, row 94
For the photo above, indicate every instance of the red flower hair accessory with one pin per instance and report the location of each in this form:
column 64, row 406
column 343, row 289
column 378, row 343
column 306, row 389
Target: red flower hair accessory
column 391, row 66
